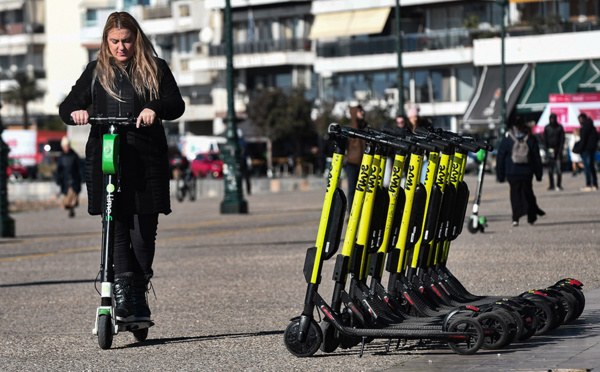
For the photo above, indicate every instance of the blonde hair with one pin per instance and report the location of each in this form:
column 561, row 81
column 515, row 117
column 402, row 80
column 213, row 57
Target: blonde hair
column 143, row 72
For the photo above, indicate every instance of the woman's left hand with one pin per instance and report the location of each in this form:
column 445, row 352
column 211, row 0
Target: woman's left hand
column 146, row 117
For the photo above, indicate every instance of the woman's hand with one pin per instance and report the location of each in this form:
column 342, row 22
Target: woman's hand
column 146, row 117
column 80, row 117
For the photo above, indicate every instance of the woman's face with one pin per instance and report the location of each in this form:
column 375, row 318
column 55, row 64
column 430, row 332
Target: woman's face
column 121, row 44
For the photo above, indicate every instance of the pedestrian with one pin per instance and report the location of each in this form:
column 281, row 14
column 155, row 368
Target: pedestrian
column 587, row 148
column 415, row 120
column 576, row 161
column 128, row 78
column 520, row 172
column 68, row 176
column 554, row 140
column 356, row 148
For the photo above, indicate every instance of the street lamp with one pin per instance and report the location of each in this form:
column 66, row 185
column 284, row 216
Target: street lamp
column 233, row 201
column 503, row 4
column 399, row 72
column 7, row 224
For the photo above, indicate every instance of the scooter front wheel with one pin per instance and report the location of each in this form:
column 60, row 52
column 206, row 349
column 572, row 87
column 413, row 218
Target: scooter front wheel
column 105, row 332
column 305, row 348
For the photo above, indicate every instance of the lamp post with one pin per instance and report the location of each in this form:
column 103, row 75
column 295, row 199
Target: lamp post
column 233, row 201
column 502, row 129
column 7, row 224
column 399, row 72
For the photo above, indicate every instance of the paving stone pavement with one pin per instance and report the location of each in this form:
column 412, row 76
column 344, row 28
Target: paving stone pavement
column 227, row 286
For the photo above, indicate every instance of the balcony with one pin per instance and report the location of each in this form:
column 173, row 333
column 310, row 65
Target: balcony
column 263, row 46
column 387, row 44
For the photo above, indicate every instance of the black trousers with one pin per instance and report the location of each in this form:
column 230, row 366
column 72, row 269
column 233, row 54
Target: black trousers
column 523, row 200
column 555, row 164
column 135, row 243
column 352, row 173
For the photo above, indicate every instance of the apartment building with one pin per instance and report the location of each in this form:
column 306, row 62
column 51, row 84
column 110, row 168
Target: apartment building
column 341, row 51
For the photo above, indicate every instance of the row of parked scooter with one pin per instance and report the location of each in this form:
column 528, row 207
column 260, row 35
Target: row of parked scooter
column 406, row 229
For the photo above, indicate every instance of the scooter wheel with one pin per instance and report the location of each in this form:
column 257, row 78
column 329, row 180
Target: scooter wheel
column 105, row 332
column 495, row 328
column 140, row 335
column 473, row 229
column 305, row 348
column 472, row 342
column 331, row 338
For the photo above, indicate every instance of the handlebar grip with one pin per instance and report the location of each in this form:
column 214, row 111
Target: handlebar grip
column 423, row 131
column 472, row 147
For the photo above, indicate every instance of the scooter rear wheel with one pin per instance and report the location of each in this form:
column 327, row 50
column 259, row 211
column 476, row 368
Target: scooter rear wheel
column 472, row 342
column 305, row 348
column 105, row 332
column 140, row 335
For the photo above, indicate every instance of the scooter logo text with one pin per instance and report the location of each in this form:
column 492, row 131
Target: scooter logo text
column 395, row 182
column 109, row 201
column 410, row 178
column 364, row 177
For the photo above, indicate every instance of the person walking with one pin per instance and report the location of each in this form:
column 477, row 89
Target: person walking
column 68, row 176
column 128, row 78
column 355, row 151
column 519, row 170
column 554, row 140
column 588, row 146
column 576, row 161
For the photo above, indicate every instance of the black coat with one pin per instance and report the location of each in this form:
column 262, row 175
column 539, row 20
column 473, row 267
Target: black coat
column 589, row 136
column 144, row 168
column 505, row 168
column 68, row 173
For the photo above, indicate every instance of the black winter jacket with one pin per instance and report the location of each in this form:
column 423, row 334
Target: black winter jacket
column 589, row 136
column 554, row 137
column 68, row 173
column 506, row 169
column 144, row 168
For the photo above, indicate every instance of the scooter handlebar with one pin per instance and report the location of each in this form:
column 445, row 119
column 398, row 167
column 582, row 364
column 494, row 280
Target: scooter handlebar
column 110, row 120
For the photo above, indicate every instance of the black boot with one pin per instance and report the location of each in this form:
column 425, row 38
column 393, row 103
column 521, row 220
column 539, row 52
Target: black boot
column 141, row 310
column 123, row 299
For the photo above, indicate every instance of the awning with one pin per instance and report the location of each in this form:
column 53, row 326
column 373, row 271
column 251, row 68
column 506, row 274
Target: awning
column 552, row 78
column 353, row 22
column 485, row 106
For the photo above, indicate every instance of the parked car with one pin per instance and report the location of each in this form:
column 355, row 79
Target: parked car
column 15, row 170
column 208, row 164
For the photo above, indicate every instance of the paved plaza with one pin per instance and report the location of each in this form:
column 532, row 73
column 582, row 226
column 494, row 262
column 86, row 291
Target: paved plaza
column 227, row 285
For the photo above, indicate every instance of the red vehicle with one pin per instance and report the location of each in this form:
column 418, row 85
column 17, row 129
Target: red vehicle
column 208, row 164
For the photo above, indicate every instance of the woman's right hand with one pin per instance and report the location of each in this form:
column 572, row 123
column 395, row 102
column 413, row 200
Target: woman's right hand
column 80, row 117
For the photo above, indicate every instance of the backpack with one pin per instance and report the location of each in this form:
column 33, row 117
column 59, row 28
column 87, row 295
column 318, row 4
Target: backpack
column 520, row 150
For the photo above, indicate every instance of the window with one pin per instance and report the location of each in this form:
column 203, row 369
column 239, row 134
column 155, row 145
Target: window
column 184, row 10
column 422, row 92
column 464, row 83
column 91, row 17
column 186, row 40
column 440, row 85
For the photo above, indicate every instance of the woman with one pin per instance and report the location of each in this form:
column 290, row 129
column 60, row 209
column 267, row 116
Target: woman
column 356, row 148
column 520, row 175
column 129, row 79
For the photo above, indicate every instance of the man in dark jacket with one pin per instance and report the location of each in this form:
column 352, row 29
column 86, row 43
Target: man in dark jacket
column 554, row 139
column 520, row 175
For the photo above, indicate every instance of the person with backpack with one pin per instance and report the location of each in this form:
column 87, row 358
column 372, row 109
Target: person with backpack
column 518, row 161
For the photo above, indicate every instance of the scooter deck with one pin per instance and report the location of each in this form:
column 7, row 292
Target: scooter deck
column 135, row 325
